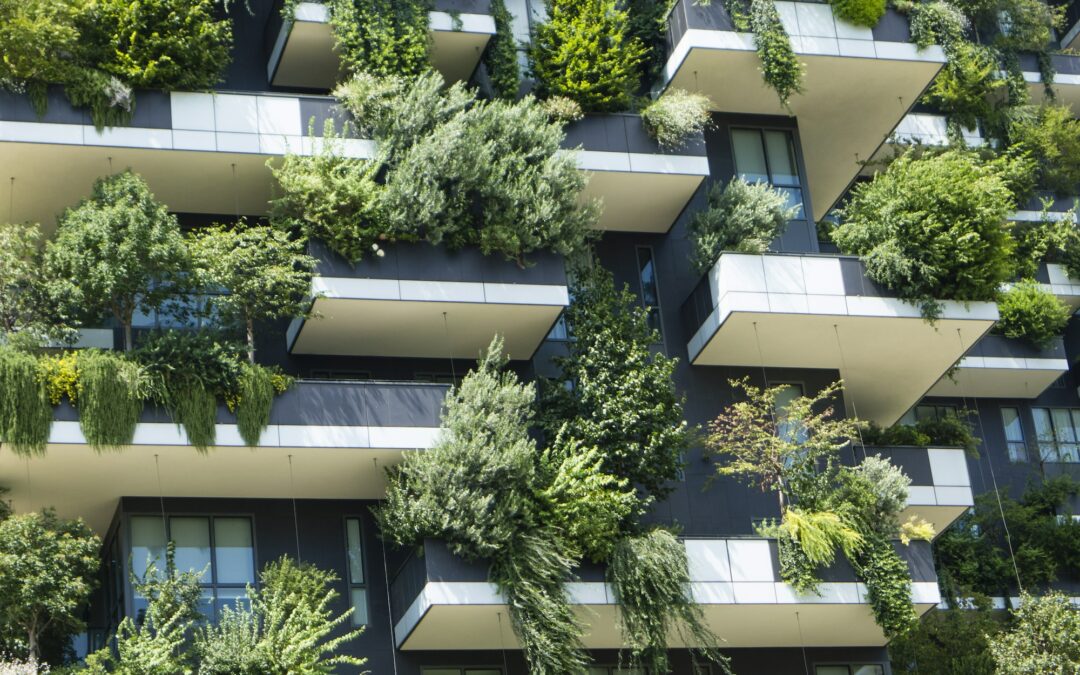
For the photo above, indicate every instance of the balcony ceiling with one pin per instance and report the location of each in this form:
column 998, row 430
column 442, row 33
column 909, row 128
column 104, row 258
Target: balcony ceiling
column 978, row 377
column 640, row 202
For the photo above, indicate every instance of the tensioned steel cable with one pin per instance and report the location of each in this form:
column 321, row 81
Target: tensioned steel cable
column 296, row 521
column 389, row 608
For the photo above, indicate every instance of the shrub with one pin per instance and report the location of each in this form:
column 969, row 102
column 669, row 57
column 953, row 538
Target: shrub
column 740, row 217
column 585, row 52
column 1052, row 137
column 859, row 12
column 1045, row 637
column 950, row 430
column 949, row 641
column 933, row 228
column 676, row 116
column 1032, row 313
column 1048, row 239
column 26, row 316
column 562, row 109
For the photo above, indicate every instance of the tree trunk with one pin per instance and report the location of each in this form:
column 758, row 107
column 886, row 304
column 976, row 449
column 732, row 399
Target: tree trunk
column 128, row 343
column 251, row 340
column 32, row 644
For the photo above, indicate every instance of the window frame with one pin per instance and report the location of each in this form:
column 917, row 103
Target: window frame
column 652, row 310
column 350, row 584
column 1074, row 416
column 1017, row 450
column 793, row 138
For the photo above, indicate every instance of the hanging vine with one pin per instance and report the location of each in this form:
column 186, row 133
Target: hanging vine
column 25, row 414
column 110, row 398
column 381, row 37
column 780, row 67
column 500, row 57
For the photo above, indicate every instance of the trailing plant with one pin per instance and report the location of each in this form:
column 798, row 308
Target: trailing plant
column 110, row 397
column 951, row 430
column 649, row 576
column 585, row 51
column 933, row 228
column 255, row 392
column 25, row 414
column 264, row 273
column 740, row 217
column 1030, row 313
column 48, row 569
column 1044, row 637
column 675, row 117
column 780, row 67
column 286, row 626
column 117, row 252
column 463, row 172
column 859, row 12
column 623, row 398
column 380, row 37
column 888, row 586
column 500, row 57
column 562, row 109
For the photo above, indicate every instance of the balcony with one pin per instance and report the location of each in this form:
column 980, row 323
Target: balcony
column 301, row 52
column 426, row 301
column 816, row 311
column 1071, row 35
column 643, row 187
column 1001, row 367
column 439, row 601
column 200, row 153
column 859, row 82
column 940, row 489
column 1066, row 78
column 326, row 440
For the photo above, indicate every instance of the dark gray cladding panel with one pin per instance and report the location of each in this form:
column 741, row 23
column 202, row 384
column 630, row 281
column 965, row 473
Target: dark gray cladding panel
column 623, row 132
column 856, row 282
column 315, row 110
column 1057, row 203
column 893, row 27
column 423, row 262
column 463, row 6
column 391, row 404
column 914, row 461
column 153, row 109
column 1000, row 346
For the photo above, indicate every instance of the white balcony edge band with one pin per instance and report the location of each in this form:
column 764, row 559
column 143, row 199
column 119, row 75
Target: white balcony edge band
column 635, row 162
column 404, row 290
column 1007, row 363
column 1060, row 79
column 274, row 436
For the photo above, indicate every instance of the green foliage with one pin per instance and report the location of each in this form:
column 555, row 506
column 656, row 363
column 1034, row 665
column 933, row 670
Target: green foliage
column 651, row 581
column 966, row 88
column 562, row 110
column 48, row 569
column 381, row 37
column 117, row 252
column 1052, row 137
column 256, row 389
column 111, row 393
column 266, row 275
column 622, row 399
column 888, row 586
column 647, row 23
column 156, row 645
column 174, row 358
column 879, row 492
column 779, row 65
column 1048, row 239
column 740, row 217
column 1031, row 313
column 458, row 172
column 973, row 555
column 1044, row 638
column 948, row 642
column 676, row 116
column 25, row 414
column 859, row 12
column 819, row 534
column 933, row 228
column 25, row 314
column 951, row 430
column 500, row 57
column 585, row 51
column 288, row 629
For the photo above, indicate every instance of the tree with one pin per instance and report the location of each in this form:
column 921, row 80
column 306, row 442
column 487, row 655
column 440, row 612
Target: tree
column 951, row 641
column 585, row 52
column 47, row 571
column 155, row 645
column 23, row 313
column 614, row 393
column 117, row 252
column 265, row 273
column 287, row 630
column 1045, row 638
column 934, row 228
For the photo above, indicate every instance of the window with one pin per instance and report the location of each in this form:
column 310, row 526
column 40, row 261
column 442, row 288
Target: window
column 791, row 431
column 934, row 412
column 1014, row 434
column 1056, row 432
column 768, row 156
column 859, row 669
column 460, row 671
column 354, row 547
column 650, row 290
column 220, row 549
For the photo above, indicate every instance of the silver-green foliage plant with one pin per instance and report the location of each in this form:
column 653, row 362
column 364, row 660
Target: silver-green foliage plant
column 742, row 217
column 48, row 570
column 117, row 252
column 650, row 577
column 290, row 627
column 933, row 228
column 1032, row 313
column 675, row 117
column 1044, row 638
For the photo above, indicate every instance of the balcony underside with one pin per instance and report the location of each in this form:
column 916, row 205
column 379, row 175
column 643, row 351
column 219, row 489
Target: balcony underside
column 326, row 463
column 989, row 377
column 639, row 201
column 850, row 105
column 304, row 56
column 887, row 362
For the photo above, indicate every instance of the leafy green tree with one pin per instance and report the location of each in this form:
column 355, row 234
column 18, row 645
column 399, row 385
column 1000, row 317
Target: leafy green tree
column 47, row 572
column 266, row 274
column 287, row 630
column 933, row 228
column 116, row 252
column 614, row 392
column 24, row 312
column 1044, row 638
column 585, row 51
column 948, row 642
column 156, row 644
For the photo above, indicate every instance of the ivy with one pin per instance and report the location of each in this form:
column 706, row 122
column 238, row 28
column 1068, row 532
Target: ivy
column 500, row 57
column 888, row 586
